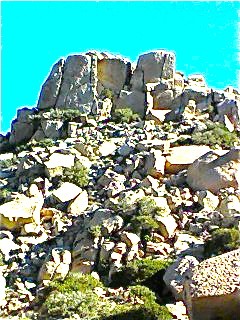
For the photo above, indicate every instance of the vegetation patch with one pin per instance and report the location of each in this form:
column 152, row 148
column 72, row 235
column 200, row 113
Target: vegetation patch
column 215, row 134
column 125, row 115
column 74, row 295
column 57, row 114
column 44, row 143
column 107, row 93
column 222, row 240
column 78, row 175
column 144, row 308
column 5, row 194
column 141, row 272
column 144, row 217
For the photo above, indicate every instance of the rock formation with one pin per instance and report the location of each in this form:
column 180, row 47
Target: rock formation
column 125, row 178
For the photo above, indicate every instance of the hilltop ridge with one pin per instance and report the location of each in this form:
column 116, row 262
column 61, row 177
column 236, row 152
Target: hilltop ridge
column 119, row 193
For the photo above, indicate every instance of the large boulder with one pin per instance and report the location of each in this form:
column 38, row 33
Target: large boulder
column 56, row 162
column 56, row 265
column 136, row 100
column 23, row 127
column 66, row 192
column 152, row 67
column 176, row 273
column 78, row 82
column 76, row 91
column 113, row 72
column 51, row 128
column 79, row 204
column 20, row 211
column 213, row 290
column 50, row 89
column 230, row 109
column 213, row 172
column 181, row 157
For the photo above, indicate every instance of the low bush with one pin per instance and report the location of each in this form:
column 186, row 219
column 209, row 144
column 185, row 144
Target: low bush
column 107, row 93
column 57, row 114
column 75, row 282
column 141, row 272
column 215, row 134
column 2, row 263
column 78, row 175
column 144, row 217
column 8, row 162
column 95, row 231
column 5, row 195
column 222, row 240
column 144, row 308
column 65, row 114
column 74, row 295
column 125, row 115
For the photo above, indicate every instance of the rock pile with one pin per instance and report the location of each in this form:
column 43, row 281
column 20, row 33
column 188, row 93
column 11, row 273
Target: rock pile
column 87, row 186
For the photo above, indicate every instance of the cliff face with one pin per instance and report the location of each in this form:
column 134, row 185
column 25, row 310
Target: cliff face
column 114, row 192
column 152, row 88
column 79, row 81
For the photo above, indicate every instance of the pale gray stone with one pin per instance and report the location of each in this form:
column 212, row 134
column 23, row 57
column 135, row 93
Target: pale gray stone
column 67, row 192
column 76, row 91
column 52, row 128
column 213, row 172
column 51, row 87
column 174, row 276
column 23, row 127
column 152, row 67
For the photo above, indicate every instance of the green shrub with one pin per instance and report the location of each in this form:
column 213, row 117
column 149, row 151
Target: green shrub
column 44, row 143
column 141, row 272
column 78, row 175
column 222, row 240
column 65, row 114
column 5, row 195
column 57, row 114
column 75, row 282
column 215, row 134
column 144, row 217
column 107, row 93
column 75, row 295
column 95, row 231
column 86, row 305
column 125, row 115
column 149, row 309
column 8, row 162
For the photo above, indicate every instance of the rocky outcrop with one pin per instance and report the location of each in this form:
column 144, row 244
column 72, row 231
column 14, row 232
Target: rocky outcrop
column 213, row 172
column 214, row 287
column 97, row 83
column 99, row 191
column 23, row 127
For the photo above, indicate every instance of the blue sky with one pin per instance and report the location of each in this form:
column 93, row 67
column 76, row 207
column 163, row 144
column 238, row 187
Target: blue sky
column 36, row 34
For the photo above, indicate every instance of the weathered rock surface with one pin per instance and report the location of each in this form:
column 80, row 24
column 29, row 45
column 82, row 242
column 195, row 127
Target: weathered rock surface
column 181, row 157
column 213, row 172
column 147, row 192
column 51, row 87
column 213, row 288
column 176, row 274
column 21, row 210
column 23, row 127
